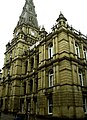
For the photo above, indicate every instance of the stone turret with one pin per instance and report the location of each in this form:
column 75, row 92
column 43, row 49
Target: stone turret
column 61, row 20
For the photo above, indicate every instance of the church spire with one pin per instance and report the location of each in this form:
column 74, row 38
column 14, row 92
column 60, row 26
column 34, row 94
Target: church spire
column 28, row 15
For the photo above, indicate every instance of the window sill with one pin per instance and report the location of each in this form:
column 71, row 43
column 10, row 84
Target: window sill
column 50, row 114
column 85, row 113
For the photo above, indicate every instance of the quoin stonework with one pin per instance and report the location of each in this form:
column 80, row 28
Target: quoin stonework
column 45, row 75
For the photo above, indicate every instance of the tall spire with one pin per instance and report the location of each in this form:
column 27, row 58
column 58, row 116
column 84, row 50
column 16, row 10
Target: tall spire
column 28, row 15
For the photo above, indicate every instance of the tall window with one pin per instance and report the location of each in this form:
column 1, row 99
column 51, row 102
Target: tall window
column 15, row 52
column 28, row 105
column 37, row 58
column 81, row 77
column 10, row 55
column 50, row 105
column 24, row 88
column 22, row 105
column 50, row 78
column 32, row 63
column 26, row 67
column 8, row 69
column 85, row 53
column 36, row 84
column 31, row 86
column 77, row 51
column 85, row 103
column 50, row 51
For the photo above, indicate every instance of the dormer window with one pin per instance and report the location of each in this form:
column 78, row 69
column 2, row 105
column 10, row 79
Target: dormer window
column 30, row 9
column 30, row 18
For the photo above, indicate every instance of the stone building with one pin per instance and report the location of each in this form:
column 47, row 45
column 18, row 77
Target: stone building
column 44, row 74
column 0, row 75
column 0, row 88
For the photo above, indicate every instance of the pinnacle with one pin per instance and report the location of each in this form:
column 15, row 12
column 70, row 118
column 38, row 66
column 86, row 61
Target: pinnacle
column 61, row 16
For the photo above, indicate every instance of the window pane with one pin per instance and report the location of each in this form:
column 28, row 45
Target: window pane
column 85, row 103
column 22, row 108
column 31, row 86
column 50, row 51
column 26, row 67
column 81, row 77
column 50, row 105
column 50, row 109
column 32, row 63
column 51, row 78
column 85, row 54
column 77, row 50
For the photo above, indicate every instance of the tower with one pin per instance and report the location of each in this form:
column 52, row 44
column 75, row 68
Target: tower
column 27, row 27
column 45, row 75
column 25, row 35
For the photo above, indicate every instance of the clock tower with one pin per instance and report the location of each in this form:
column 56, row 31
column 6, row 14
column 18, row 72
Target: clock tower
column 27, row 26
column 24, row 36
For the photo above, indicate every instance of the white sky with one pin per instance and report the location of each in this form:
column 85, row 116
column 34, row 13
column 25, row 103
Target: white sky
column 47, row 12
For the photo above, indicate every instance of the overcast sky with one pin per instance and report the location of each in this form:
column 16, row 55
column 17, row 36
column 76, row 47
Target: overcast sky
column 47, row 12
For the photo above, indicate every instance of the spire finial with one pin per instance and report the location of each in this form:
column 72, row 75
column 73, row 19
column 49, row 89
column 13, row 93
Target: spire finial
column 60, row 12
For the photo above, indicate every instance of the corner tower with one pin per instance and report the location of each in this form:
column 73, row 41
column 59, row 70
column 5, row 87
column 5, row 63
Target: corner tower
column 25, row 35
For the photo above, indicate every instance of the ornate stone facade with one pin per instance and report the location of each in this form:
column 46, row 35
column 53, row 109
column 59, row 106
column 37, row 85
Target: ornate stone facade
column 44, row 74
